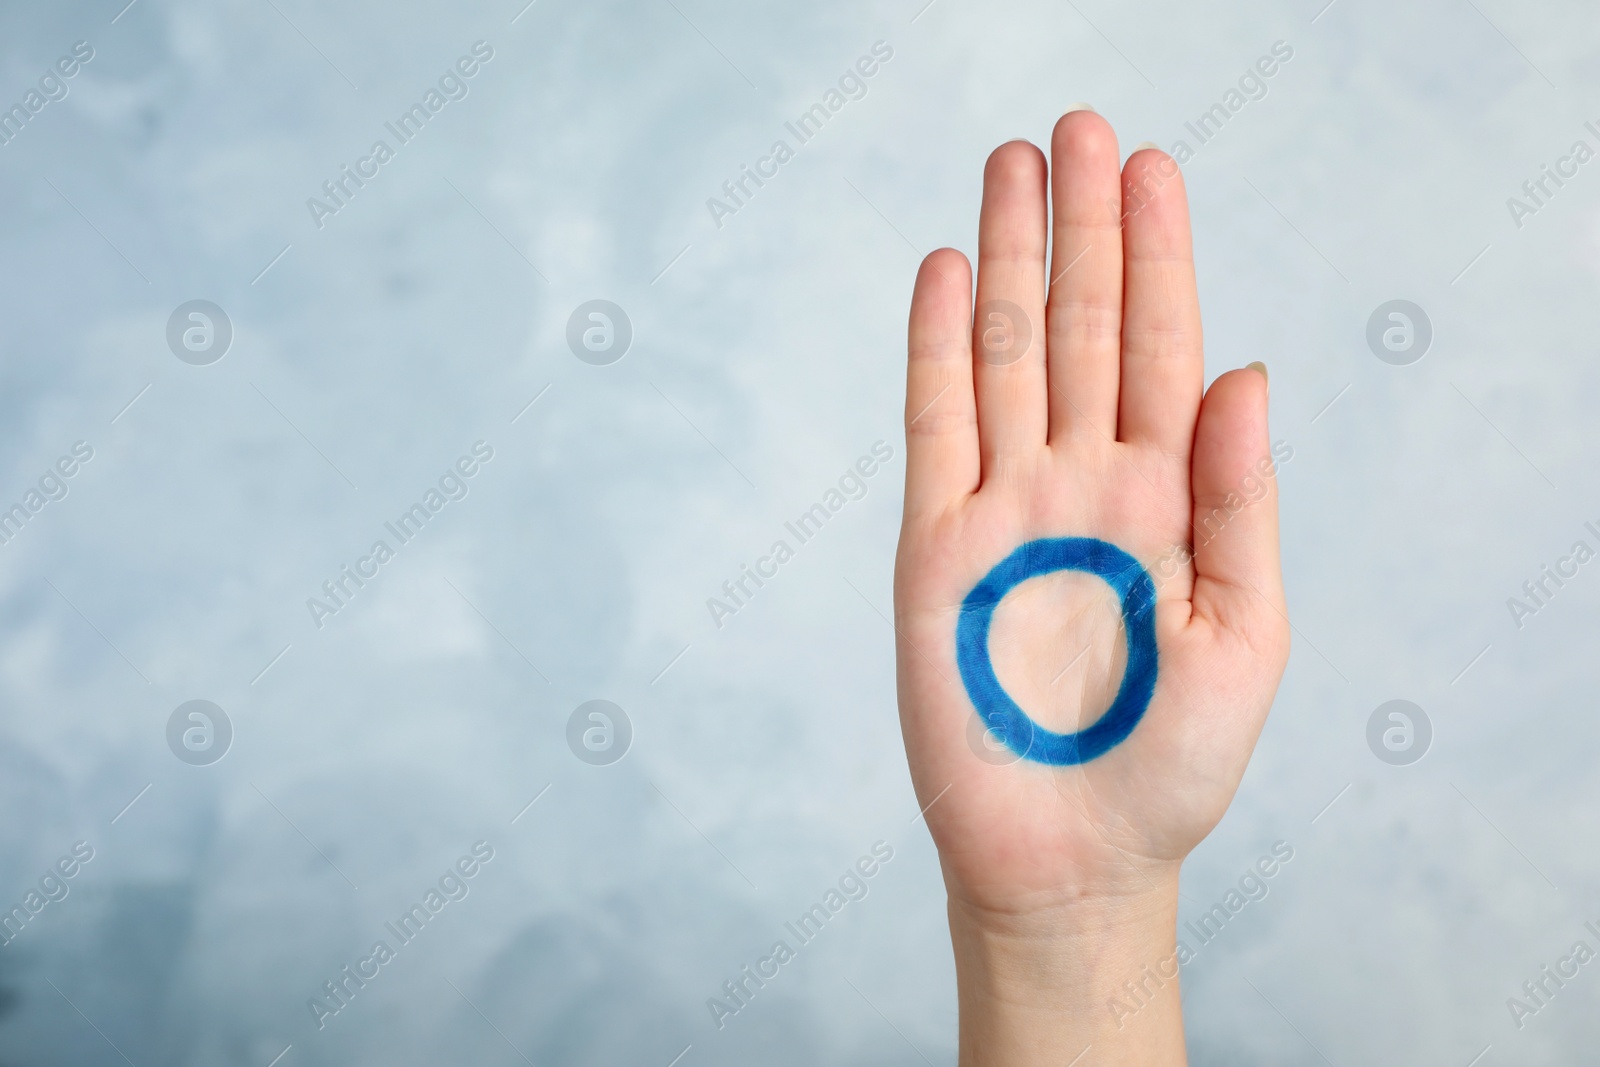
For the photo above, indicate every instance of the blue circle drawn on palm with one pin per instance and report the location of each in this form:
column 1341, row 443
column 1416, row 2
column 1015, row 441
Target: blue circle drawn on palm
column 1001, row 714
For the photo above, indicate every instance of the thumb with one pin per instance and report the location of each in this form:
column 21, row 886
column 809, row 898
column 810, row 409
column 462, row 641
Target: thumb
column 1238, row 583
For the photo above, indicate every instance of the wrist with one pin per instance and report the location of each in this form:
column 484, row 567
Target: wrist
column 1099, row 972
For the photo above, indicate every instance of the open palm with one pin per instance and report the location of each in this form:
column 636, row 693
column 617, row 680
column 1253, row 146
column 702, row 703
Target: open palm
column 1070, row 406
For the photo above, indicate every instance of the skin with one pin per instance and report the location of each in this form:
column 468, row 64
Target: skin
column 1062, row 881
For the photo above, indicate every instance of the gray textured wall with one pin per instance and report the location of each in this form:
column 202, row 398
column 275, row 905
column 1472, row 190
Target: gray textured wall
column 766, row 356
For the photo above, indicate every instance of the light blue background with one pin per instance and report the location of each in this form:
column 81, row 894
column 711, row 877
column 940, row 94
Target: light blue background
column 765, row 361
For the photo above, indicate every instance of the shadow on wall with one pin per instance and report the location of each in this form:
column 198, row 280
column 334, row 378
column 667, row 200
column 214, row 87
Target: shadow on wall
column 120, row 964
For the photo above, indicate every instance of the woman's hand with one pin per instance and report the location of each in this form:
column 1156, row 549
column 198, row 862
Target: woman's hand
column 1070, row 405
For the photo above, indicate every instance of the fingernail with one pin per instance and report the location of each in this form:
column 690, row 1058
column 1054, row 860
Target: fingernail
column 1079, row 107
column 1259, row 367
column 1142, row 145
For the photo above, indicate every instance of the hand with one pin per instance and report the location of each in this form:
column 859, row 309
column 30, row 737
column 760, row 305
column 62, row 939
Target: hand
column 1096, row 429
